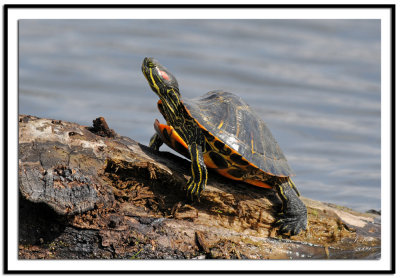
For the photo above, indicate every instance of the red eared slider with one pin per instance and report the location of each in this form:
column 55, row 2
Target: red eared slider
column 220, row 131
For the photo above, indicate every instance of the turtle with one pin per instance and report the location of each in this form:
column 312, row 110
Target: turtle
column 220, row 131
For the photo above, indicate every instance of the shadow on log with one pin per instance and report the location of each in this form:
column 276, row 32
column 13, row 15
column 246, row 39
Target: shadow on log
column 89, row 193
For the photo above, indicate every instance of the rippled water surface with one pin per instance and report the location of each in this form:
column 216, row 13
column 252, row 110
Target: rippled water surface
column 316, row 83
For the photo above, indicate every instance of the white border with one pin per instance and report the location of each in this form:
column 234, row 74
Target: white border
column 15, row 14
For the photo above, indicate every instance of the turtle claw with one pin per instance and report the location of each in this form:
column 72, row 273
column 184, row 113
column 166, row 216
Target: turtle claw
column 291, row 223
column 192, row 197
column 193, row 190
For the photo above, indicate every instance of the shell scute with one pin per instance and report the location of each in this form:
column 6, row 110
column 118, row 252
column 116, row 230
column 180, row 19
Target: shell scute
column 228, row 118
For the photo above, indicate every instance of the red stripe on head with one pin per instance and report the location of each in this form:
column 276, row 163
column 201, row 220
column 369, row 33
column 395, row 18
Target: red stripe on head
column 164, row 74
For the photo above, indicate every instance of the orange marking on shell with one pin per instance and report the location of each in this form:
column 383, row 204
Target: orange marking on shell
column 224, row 173
column 208, row 161
column 258, row 183
column 174, row 136
column 157, row 126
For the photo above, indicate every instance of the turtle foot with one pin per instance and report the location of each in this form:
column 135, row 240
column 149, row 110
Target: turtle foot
column 291, row 223
column 293, row 216
column 194, row 189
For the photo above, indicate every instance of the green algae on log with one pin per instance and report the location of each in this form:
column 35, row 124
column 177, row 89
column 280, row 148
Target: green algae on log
column 89, row 193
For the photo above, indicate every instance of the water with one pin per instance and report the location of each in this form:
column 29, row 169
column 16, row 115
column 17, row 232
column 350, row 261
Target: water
column 315, row 82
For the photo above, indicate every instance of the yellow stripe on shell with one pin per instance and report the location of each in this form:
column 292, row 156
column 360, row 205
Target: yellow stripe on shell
column 220, row 124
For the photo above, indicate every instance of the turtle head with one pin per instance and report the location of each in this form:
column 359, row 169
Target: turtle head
column 161, row 81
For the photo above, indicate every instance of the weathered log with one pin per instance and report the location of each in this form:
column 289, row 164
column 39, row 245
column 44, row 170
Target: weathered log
column 87, row 192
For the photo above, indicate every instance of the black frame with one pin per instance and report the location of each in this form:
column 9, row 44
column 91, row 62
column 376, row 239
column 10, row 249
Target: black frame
column 7, row 7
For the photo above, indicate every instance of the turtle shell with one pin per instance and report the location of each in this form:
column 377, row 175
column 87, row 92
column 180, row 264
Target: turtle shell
column 228, row 118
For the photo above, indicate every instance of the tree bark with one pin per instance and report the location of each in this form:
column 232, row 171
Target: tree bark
column 87, row 192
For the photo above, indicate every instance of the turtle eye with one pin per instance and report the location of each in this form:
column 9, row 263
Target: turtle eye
column 150, row 64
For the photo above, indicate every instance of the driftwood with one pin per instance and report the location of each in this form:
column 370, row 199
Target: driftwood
column 87, row 192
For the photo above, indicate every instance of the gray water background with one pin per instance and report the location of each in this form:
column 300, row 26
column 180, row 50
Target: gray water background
column 316, row 83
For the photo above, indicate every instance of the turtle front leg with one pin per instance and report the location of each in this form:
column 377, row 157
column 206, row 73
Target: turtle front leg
column 293, row 217
column 197, row 182
column 156, row 142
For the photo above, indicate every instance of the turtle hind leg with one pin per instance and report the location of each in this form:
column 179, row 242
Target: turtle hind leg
column 292, row 218
column 292, row 185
